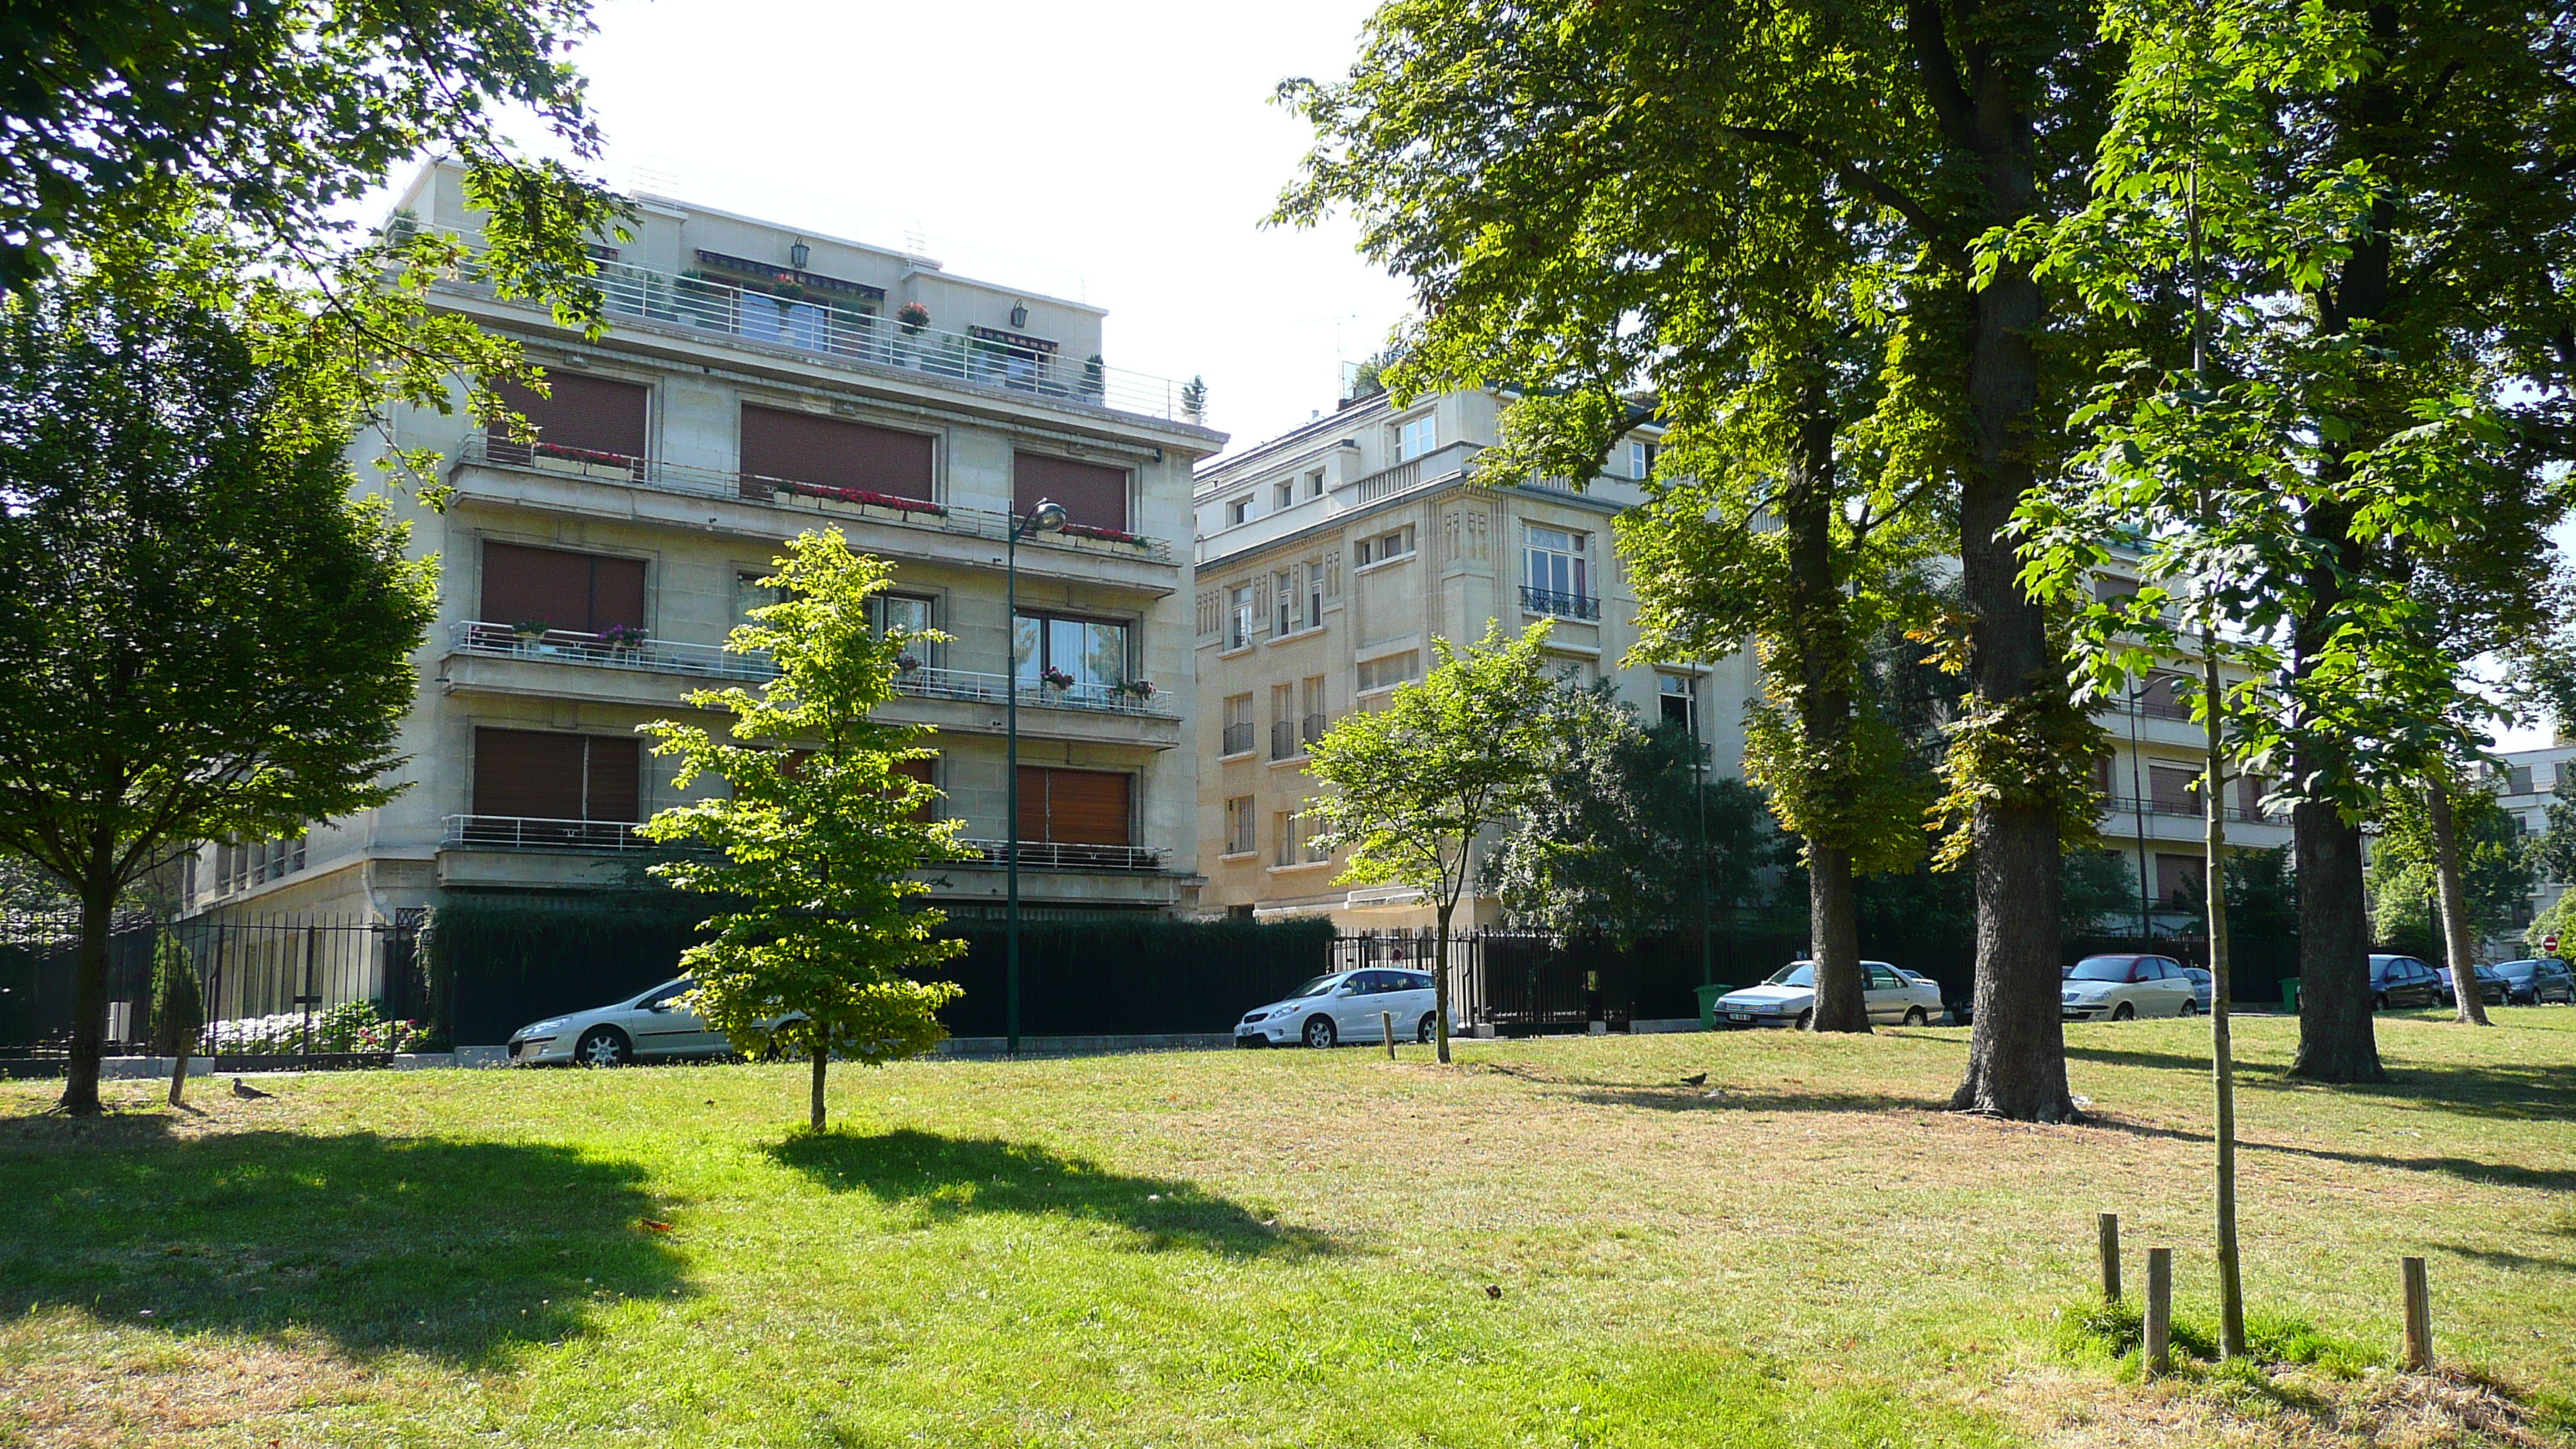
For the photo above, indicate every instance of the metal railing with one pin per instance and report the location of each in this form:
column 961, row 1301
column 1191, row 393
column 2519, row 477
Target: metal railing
column 1072, row 855
column 521, row 832
column 1315, row 725
column 1131, row 698
column 790, row 494
column 1562, row 606
column 1238, row 739
column 568, row 646
column 2189, row 810
column 1284, row 743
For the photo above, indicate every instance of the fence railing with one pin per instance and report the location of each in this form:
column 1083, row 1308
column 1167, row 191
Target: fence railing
column 522, row 832
column 1562, row 606
column 1284, row 741
column 792, row 495
column 2189, row 810
column 1072, row 855
column 1314, row 727
column 1238, row 739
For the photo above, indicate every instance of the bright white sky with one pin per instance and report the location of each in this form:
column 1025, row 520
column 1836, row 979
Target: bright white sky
column 1124, row 155
column 1121, row 155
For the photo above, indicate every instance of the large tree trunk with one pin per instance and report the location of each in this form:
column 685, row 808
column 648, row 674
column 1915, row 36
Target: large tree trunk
column 89, row 998
column 2336, row 1041
column 1820, row 630
column 2017, row 1050
column 2455, row 904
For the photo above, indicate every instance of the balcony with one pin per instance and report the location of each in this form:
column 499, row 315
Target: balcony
column 1559, row 606
column 1284, row 742
column 1068, row 856
column 800, row 500
column 1315, row 725
column 664, row 656
column 1238, row 739
column 520, row 832
column 2189, row 810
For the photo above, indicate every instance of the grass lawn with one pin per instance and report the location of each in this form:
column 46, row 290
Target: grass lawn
column 1554, row 1243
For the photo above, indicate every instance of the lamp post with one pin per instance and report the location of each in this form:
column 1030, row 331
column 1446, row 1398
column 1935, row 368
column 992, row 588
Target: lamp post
column 1046, row 517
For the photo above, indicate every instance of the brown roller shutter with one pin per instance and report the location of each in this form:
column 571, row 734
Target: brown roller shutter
column 527, row 773
column 587, row 414
column 1090, row 493
column 615, row 779
column 803, row 448
column 927, row 772
column 580, row 592
column 1086, row 807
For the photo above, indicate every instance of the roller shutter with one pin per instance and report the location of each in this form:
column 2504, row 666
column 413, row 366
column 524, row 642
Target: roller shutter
column 832, row 453
column 580, row 592
column 1085, row 807
column 1091, row 494
column 585, row 415
column 539, row 775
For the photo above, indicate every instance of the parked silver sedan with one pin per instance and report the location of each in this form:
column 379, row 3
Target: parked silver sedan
column 1789, row 998
column 2122, row 987
column 651, row 1026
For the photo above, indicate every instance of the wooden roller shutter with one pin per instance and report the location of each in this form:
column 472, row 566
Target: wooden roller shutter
column 1085, row 807
column 1090, row 493
column 614, row 779
column 528, row 773
column 927, row 772
column 803, row 448
column 576, row 591
column 586, row 414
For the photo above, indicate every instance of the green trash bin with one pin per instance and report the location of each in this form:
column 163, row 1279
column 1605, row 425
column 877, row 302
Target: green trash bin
column 2290, row 995
column 1708, row 996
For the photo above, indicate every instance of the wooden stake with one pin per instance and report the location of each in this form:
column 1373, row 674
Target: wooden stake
column 1386, row 1025
column 2159, row 1311
column 2110, row 1228
column 2419, row 1317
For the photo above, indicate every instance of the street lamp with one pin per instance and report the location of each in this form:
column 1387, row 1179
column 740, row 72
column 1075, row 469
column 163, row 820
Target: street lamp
column 1046, row 517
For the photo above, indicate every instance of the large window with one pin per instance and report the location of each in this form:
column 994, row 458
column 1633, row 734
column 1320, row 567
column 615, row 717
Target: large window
column 831, row 456
column 1078, row 807
column 544, row 776
column 1287, row 601
column 583, row 420
column 1238, row 617
column 1394, row 543
column 1090, row 652
column 1093, row 496
column 1238, row 825
column 1387, row 673
column 1416, row 436
column 1678, row 696
column 580, row 592
column 1556, row 573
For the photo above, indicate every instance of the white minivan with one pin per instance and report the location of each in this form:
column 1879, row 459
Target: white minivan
column 1353, row 1006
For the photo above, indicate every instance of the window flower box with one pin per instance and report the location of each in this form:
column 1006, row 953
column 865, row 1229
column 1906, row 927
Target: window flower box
column 1140, row 688
column 864, row 496
column 1056, row 677
column 1112, row 535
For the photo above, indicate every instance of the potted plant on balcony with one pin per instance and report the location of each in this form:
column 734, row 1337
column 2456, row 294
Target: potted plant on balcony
column 906, row 663
column 1055, row 677
column 531, row 632
column 622, row 639
column 912, row 317
column 1140, row 688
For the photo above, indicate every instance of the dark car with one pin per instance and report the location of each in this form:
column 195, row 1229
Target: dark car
column 2491, row 987
column 2402, row 981
column 2534, row 982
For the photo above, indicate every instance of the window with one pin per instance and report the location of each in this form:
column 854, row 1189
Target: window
column 1284, row 742
column 1080, row 807
column 1283, row 837
column 749, row 594
column 905, row 614
column 1283, row 493
column 1238, row 617
column 1311, row 723
column 1883, row 979
column 2517, row 780
column 586, row 422
column 1641, row 458
column 1556, row 575
column 1394, row 543
column 1284, row 601
column 537, row 775
column 239, row 867
column 1093, row 496
column 1573, row 669
column 1416, row 436
column 1677, row 695
column 831, row 454
column 1092, row 651
column 1238, row 825
column 2178, row 880
column 2174, row 791
column 1387, row 673
column 1239, row 511
column 1315, row 483
column 1315, row 594
column 1309, row 849
column 1238, row 724
column 2107, row 588
column 578, row 592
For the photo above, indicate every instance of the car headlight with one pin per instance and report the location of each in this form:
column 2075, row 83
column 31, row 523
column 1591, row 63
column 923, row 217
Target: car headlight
column 542, row 1028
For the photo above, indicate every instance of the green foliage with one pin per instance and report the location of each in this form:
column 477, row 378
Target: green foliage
column 1414, row 782
column 202, row 637
column 2092, row 1332
column 2096, row 889
column 1609, row 845
column 2552, row 853
column 2559, row 920
column 177, row 1010
column 2495, row 870
column 819, row 834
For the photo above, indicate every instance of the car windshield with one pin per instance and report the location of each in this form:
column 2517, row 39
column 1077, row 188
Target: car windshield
column 1316, row 987
column 1796, row 973
column 2516, row 969
column 2102, row 968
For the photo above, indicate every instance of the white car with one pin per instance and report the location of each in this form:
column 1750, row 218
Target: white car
column 646, row 1027
column 1895, row 998
column 1345, row 1006
column 2122, row 987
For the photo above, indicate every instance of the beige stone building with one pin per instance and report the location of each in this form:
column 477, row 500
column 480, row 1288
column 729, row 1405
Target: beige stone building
column 1328, row 561
column 757, row 382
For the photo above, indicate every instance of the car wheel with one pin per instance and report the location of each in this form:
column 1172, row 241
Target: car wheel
column 603, row 1046
column 1807, row 1020
column 1319, row 1031
column 2125, row 1011
column 1429, row 1029
column 2190, row 1008
column 2379, row 1002
column 1914, row 1016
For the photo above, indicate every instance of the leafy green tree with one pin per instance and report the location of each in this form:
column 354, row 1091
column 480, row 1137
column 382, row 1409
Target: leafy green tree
column 2495, row 875
column 2097, row 890
column 1592, row 199
column 1609, row 847
column 1417, row 782
column 178, row 1010
column 817, row 841
column 202, row 636
column 2553, row 851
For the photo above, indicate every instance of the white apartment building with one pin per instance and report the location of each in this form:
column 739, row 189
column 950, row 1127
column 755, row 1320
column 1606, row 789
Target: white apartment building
column 1330, row 558
column 758, row 382
column 2529, row 784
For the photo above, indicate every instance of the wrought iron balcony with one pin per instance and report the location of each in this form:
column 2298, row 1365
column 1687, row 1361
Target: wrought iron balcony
column 2189, row 809
column 1315, row 725
column 1238, row 738
column 1562, row 606
column 1283, row 740
column 521, row 832
column 1073, row 856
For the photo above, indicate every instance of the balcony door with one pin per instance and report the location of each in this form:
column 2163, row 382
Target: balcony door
column 580, row 592
column 540, row 775
column 1076, row 807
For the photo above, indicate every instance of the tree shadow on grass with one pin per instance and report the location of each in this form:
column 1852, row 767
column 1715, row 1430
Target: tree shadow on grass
column 2467, row 1169
column 2505, row 1091
column 457, row 1250
column 943, row 1179
column 1731, row 1099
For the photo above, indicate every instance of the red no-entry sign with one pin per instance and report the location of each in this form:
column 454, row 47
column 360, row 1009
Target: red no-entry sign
column 2549, row 944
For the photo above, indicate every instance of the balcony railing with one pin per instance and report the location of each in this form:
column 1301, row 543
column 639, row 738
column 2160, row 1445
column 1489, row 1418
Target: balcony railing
column 521, row 832
column 1238, row 739
column 790, row 495
column 564, row 646
column 1063, row 855
column 1562, row 606
column 1283, row 739
column 1315, row 725
column 2189, row 810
